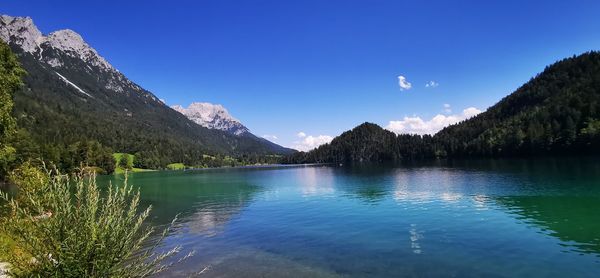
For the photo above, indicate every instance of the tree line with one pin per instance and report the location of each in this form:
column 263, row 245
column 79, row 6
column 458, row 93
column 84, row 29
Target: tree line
column 41, row 122
column 557, row 112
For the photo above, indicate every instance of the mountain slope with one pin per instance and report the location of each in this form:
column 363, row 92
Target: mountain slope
column 72, row 94
column 557, row 112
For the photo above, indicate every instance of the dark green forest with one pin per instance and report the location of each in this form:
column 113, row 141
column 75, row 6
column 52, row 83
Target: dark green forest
column 556, row 113
column 53, row 122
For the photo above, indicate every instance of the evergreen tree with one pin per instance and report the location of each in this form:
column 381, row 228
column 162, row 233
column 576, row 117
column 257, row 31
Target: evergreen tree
column 10, row 81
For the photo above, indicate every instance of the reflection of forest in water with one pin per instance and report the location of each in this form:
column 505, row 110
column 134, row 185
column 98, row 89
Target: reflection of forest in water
column 536, row 176
column 217, row 207
column 558, row 195
column 203, row 202
column 575, row 220
column 561, row 196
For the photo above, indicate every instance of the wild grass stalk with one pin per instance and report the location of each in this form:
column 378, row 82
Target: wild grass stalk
column 66, row 227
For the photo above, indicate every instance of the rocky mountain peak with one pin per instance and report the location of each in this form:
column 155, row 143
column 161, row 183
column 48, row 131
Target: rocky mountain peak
column 213, row 116
column 21, row 31
column 73, row 44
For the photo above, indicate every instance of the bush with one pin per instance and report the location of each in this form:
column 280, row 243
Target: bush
column 176, row 166
column 31, row 181
column 68, row 228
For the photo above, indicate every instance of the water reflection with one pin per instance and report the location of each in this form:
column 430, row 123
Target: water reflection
column 469, row 220
column 558, row 196
column 204, row 202
column 316, row 181
column 369, row 183
column 415, row 236
column 481, row 202
column 426, row 186
column 575, row 220
column 209, row 218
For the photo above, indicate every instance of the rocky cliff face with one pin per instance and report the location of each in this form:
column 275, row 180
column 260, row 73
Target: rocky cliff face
column 65, row 50
column 22, row 32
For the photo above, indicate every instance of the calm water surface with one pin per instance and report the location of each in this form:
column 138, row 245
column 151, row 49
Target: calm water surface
column 510, row 218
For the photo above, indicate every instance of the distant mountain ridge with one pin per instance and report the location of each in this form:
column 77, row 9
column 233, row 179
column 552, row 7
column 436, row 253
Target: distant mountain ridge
column 213, row 116
column 556, row 112
column 73, row 94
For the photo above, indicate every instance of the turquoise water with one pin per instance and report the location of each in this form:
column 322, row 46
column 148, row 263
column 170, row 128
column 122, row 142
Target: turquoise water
column 509, row 218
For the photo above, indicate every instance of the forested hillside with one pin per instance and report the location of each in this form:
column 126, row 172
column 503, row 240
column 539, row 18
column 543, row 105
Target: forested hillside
column 368, row 142
column 556, row 112
column 58, row 118
column 75, row 109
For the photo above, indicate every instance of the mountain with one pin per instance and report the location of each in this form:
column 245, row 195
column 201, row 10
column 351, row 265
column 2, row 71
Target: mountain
column 213, row 116
column 556, row 112
column 72, row 94
column 368, row 142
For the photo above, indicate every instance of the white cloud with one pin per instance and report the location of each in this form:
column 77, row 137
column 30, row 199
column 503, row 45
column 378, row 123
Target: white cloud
column 310, row 142
column 470, row 112
column 270, row 137
column 404, row 84
column 301, row 134
column 447, row 108
column 431, row 84
column 416, row 125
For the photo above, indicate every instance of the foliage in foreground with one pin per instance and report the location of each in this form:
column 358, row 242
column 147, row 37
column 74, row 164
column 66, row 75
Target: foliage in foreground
column 67, row 228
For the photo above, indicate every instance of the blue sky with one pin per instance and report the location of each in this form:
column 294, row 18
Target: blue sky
column 322, row 67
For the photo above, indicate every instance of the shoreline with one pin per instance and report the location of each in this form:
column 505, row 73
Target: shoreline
column 264, row 166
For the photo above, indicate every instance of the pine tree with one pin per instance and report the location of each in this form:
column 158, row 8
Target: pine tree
column 10, row 81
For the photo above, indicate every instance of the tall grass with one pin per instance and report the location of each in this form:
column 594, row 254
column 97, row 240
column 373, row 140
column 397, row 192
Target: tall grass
column 65, row 227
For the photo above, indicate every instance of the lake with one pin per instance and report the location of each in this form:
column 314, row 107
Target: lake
column 476, row 218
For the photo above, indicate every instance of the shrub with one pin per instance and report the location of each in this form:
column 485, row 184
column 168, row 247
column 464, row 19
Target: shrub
column 31, row 181
column 68, row 228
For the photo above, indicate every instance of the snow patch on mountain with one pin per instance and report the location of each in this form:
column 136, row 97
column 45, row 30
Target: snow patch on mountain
column 213, row 116
column 73, row 84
